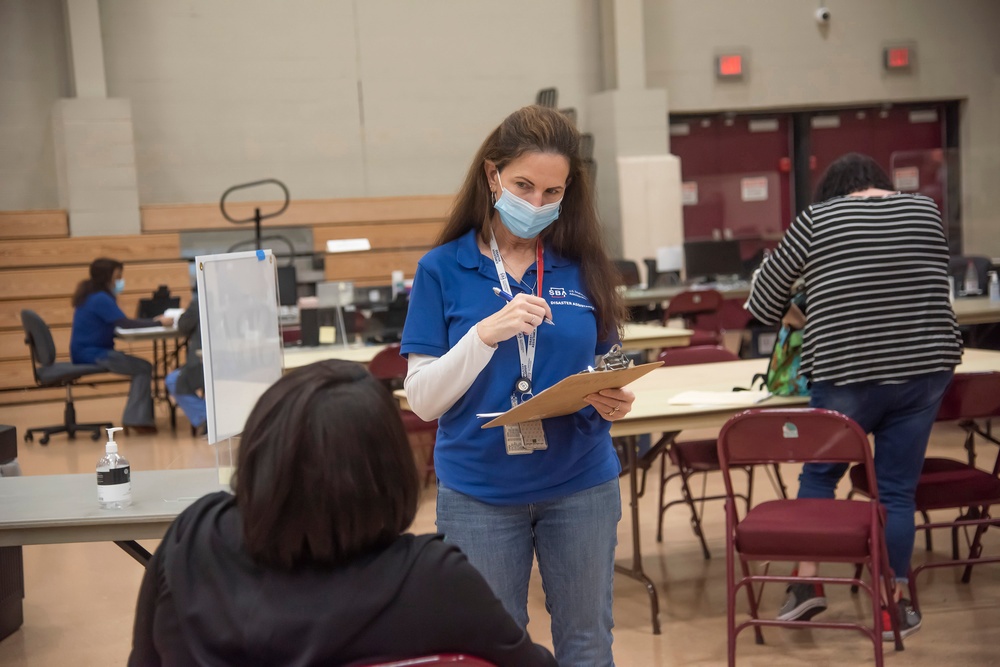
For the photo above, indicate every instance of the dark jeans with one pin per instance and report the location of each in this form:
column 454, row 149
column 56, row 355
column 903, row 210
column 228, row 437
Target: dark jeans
column 139, row 406
column 900, row 416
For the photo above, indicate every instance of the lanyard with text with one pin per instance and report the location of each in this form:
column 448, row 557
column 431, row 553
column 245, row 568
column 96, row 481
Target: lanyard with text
column 525, row 348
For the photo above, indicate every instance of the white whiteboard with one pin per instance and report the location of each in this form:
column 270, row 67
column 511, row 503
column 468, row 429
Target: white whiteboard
column 240, row 335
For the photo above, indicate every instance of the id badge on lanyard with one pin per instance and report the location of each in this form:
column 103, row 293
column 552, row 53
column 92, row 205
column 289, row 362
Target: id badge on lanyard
column 526, row 437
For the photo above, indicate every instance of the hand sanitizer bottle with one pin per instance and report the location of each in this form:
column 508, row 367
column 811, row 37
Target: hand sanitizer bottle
column 114, row 477
column 971, row 279
column 994, row 288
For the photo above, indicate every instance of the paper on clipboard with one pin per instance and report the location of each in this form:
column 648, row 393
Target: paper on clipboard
column 566, row 396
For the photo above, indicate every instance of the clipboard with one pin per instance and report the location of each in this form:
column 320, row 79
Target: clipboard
column 566, row 396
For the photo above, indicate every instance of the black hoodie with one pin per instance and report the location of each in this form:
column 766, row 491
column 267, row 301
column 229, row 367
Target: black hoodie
column 204, row 601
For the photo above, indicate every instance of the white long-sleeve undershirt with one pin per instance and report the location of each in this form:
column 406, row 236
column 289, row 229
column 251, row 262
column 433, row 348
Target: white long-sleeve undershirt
column 434, row 384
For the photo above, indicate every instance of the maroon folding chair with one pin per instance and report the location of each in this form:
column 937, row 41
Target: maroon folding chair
column 390, row 367
column 694, row 457
column 700, row 311
column 945, row 484
column 802, row 529
column 432, row 660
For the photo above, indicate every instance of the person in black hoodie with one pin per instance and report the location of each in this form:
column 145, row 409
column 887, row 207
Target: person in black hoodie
column 308, row 564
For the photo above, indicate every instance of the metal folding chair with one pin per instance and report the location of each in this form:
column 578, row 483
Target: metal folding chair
column 805, row 529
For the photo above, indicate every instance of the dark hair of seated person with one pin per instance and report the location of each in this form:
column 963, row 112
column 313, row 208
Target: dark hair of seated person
column 324, row 471
column 849, row 173
column 102, row 272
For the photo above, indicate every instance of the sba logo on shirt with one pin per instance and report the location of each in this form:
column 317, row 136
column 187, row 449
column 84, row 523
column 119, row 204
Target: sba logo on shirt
column 557, row 292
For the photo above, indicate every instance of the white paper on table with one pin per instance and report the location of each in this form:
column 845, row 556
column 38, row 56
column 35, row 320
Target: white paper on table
column 737, row 398
column 174, row 314
column 125, row 333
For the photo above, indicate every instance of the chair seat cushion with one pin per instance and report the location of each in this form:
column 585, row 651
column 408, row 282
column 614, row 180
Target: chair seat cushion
column 807, row 528
column 700, row 455
column 413, row 424
column 945, row 483
column 63, row 371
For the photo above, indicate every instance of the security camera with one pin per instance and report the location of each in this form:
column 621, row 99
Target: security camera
column 822, row 16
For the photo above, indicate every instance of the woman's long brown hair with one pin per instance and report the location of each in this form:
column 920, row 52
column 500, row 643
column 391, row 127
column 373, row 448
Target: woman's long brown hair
column 576, row 234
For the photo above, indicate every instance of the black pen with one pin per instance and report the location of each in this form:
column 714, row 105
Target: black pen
column 508, row 298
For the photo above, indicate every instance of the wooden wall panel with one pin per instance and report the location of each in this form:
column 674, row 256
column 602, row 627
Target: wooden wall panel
column 381, row 236
column 372, row 268
column 306, row 212
column 27, row 395
column 15, row 374
column 33, row 224
column 57, row 311
column 83, row 250
column 55, row 282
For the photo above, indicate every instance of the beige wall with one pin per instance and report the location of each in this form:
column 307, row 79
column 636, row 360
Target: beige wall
column 793, row 62
column 33, row 76
column 347, row 98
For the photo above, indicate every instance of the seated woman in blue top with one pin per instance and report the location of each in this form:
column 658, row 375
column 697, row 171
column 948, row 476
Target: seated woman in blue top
column 525, row 226
column 92, row 340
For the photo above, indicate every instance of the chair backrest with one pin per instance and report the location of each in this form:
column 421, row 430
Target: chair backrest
column 388, row 364
column 429, row 661
column 628, row 272
column 696, row 354
column 792, row 435
column 971, row 396
column 694, row 302
column 38, row 338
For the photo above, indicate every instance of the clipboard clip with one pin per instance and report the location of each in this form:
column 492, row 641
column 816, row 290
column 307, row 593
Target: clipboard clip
column 614, row 360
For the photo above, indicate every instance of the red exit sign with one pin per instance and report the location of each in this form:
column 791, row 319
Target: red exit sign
column 898, row 58
column 729, row 66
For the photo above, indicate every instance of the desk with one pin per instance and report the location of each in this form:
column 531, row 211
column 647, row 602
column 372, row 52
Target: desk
column 651, row 413
column 162, row 358
column 637, row 336
column 640, row 336
column 976, row 310
column 55, row 509
column 657, row 295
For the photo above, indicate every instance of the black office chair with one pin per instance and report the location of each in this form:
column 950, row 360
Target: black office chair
column 52, row 373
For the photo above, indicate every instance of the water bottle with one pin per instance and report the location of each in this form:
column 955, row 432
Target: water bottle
column 114, row 477
column 971, row 279
column 994, row 288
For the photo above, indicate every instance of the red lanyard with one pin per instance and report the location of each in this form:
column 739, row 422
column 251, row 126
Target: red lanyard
column 539, row 266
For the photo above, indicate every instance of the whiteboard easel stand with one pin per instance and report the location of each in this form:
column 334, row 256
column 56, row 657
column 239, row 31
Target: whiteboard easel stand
column 241, row 343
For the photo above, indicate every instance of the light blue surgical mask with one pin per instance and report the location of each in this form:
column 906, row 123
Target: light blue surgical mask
column 119, row 286
column 524, row 219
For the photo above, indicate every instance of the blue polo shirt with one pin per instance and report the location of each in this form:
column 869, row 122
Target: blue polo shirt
column 93, row 334
column 452, row 291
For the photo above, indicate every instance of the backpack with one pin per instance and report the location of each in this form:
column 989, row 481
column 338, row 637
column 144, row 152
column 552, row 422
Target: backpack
column 782, row 377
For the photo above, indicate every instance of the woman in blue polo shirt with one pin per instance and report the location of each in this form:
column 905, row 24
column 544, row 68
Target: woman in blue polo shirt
column 523, row 245
column 92, row 340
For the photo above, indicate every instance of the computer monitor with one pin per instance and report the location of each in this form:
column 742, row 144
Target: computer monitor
column 288, row 288
column 710, row 260
column 158, row 304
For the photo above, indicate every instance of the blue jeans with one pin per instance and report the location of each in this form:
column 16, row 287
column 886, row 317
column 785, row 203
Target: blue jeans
column 574, row 539
column 139, row 405
column 900, row 416
column 192, row 405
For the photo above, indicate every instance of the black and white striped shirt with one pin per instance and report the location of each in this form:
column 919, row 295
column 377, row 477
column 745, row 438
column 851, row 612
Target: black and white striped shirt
column 876, row 279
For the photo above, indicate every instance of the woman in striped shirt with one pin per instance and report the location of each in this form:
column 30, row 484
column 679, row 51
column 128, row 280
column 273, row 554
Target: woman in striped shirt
column 880, row 342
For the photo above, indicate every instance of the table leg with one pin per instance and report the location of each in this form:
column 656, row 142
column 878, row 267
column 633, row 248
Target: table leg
column 636, row 572
column 135, row 550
